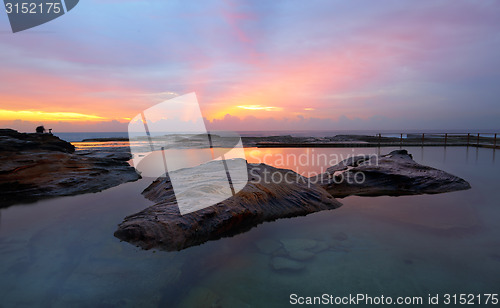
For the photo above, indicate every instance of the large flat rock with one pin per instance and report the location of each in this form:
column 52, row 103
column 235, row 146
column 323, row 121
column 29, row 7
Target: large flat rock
column 37, row 166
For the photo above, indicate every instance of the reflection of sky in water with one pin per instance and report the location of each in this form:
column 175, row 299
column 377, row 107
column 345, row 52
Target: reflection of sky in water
column 62, row 252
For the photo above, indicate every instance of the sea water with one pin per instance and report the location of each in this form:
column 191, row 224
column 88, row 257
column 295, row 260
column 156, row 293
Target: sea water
column 61, row 252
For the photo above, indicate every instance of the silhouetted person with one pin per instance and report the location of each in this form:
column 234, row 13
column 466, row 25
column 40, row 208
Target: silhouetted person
column 40, row 129
column 50, row 131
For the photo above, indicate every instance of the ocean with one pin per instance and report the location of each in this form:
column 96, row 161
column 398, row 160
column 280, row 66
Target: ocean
column 79, row 136
column 62, row 253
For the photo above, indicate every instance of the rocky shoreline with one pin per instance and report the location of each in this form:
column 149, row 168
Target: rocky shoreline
column 162, row 226
column 337, row 141
column 38, row 166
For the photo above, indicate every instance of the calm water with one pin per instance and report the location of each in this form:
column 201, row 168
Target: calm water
column 62, row 252
column 79, row 136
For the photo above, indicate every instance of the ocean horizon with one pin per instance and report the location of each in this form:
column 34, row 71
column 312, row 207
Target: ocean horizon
column 79, row 136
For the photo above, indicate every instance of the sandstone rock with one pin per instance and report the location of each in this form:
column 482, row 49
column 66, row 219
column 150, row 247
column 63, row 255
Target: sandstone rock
column 113, row 153
column 14, row 141
column 395, row 174
column 36, row 166
column 261, row 200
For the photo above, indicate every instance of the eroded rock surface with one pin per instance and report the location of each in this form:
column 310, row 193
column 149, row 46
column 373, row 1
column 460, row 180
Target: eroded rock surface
column 162, row 226
column 36, row 166
column 394, row 174
column 262, row 199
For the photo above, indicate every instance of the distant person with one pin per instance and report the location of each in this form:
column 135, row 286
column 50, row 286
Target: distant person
column 40, row 129
column 50, row 131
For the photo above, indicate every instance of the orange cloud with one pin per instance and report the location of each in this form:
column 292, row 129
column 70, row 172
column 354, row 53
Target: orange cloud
column 309, row 79
column 259, row 107
column 36, row 115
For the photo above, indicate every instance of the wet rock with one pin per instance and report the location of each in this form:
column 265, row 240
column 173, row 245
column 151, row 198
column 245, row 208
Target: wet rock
column 280, row 263
column 161, row 225
column 121, row 154
column 394, row 174
column 261, row 200
column 37, row 166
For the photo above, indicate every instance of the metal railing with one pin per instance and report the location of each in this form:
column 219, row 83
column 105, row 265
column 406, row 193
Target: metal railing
column 439, row 139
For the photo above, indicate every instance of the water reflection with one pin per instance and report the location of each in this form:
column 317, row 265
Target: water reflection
column 62, row 252
column 309, row 162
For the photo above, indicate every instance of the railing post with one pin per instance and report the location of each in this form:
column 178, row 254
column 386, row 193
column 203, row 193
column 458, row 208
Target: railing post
column 401, row 140
column 379, row 138
column 423, row 139
column 477, row 139
column 445, row 139
column 495, row 141
column 468, row 139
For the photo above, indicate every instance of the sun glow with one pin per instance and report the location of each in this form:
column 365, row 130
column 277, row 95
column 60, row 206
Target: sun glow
column 259, row 107
column 36, row 115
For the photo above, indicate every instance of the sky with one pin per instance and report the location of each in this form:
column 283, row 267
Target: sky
column 258, row 65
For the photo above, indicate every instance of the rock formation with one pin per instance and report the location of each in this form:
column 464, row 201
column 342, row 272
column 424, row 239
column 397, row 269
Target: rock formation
column 36, row 166
column 162, row 226
column 394, row 174
column 287, row 194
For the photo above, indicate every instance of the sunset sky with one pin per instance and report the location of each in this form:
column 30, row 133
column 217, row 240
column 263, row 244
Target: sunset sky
column 258, row 65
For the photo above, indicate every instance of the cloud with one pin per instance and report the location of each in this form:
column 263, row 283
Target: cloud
column 320, row 60
column 30, row 115
column 259, row 107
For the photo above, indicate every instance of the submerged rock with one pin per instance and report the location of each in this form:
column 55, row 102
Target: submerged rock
column 394, row 174
column 262, row 199
column 267, row 246
column 340, row 236
column 301, row 255
column 36, row 166
column 298, row 244
column 280, row 264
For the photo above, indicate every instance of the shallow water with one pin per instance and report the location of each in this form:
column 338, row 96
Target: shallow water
column 62, row 252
